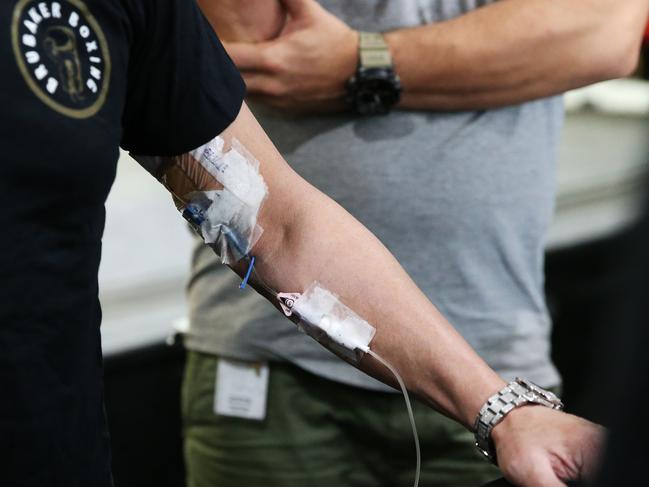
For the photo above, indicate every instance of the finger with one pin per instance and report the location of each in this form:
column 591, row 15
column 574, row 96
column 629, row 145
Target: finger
column 251, row 57
column 543, row 475
column 263, row 84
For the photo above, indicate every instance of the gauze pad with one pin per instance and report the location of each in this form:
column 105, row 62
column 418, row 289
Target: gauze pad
column 219, row 190
column 324, row 317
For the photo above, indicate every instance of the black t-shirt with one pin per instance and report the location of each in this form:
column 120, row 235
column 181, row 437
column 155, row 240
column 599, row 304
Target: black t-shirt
column 77, row 79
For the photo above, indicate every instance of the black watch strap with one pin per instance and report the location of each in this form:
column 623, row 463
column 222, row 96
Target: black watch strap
column 375, row 87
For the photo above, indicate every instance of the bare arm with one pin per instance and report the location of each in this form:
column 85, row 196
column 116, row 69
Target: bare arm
column 350, row 262
column 308, row 237
column 517, row 50
column 504, row 53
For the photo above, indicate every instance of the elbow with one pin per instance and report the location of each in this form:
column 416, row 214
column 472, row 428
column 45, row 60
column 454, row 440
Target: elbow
column 612, row 62
column 622, row 63
column 628, row 61
column 615, row 48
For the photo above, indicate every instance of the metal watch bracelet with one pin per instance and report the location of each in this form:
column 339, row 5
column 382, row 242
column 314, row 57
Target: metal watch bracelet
column 518, row 392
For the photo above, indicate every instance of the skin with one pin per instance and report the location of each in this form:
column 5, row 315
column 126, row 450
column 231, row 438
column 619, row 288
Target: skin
column 472, row 62
column 245, row 20
column 482, row 59
column 536, row 446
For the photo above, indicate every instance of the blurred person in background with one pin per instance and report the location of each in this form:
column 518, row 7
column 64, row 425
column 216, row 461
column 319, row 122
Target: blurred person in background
column 458, row 179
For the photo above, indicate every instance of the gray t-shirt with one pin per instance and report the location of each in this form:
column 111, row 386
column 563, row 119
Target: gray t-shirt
column 463, row 200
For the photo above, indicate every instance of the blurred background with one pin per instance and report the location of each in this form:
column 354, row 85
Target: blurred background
column 604, row 163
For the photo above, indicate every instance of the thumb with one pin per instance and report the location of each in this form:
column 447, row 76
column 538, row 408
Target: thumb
column 247, row 57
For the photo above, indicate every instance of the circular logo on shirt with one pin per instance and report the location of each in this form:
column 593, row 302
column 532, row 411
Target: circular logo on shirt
column 62, row 54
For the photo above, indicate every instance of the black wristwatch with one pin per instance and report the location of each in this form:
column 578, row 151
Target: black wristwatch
column 375, row 88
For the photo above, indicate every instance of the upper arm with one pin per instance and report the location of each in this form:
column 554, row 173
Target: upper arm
column 182, row 87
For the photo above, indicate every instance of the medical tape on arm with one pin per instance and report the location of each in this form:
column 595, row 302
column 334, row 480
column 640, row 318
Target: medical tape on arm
column 335, row 326
column 218, row 189
column 326, row 319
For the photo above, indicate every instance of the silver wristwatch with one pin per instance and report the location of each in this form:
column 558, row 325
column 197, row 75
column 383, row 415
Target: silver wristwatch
column 517, row 393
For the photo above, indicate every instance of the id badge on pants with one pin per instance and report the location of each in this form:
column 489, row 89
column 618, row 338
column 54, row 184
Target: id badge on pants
column 241, row 389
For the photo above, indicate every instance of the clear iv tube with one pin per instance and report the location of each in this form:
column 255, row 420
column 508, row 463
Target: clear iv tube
column 408, row 407
column 261, row 283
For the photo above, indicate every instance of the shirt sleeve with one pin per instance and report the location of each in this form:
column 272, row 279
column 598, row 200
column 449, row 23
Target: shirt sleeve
column 183, row 89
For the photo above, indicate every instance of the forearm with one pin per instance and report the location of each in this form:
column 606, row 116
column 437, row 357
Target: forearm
column 309, row 237
column 219, row 188
column 244, row 20
column 516, row 50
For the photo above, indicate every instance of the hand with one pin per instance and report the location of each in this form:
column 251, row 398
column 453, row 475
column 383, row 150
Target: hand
column 307, row 66
column 540, row 447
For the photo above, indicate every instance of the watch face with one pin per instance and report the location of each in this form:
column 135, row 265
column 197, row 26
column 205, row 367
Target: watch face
column 374, row 91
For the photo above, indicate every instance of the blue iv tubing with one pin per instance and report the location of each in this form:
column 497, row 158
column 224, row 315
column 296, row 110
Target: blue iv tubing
column 195, row 215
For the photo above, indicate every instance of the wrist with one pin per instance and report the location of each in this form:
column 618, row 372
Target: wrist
column 349, row 56
column 235, row 21
column 503, row 406
column 481, row 393
column 460, row 396
column 510, row 423
column 375, row 87
column 394, row 40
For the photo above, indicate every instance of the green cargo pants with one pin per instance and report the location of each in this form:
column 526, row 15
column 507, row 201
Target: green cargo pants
column 319, row 433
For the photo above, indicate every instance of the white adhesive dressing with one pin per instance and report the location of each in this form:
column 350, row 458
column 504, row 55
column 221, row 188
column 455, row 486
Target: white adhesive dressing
column 222, row 193
column 231, row 220
column 324, row 317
